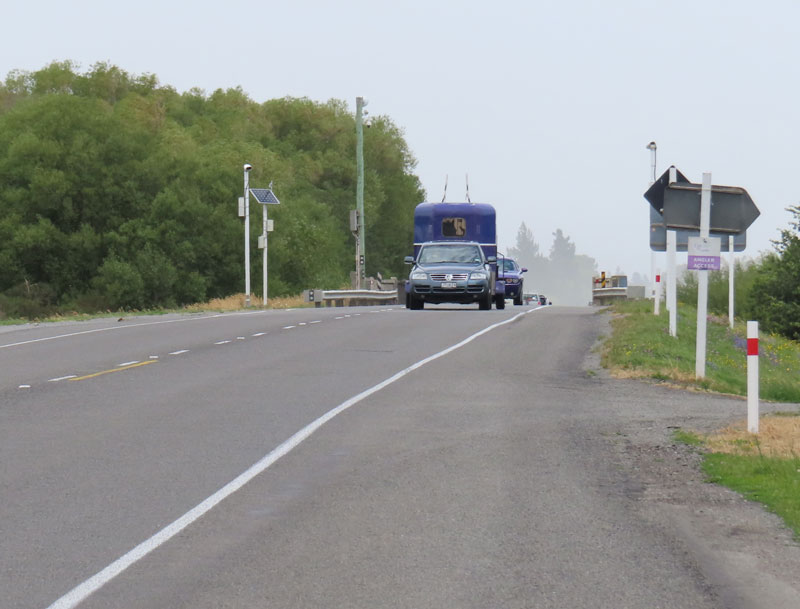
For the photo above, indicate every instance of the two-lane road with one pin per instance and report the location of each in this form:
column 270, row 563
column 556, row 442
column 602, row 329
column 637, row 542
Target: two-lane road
column 359, row 457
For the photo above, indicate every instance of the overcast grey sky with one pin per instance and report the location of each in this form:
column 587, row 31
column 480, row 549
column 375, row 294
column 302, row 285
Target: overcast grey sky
column 547, row 105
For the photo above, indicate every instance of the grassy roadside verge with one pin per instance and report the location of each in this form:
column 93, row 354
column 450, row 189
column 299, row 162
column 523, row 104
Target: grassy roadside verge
column 235, row 302
column 641, row 347
column 763, row 467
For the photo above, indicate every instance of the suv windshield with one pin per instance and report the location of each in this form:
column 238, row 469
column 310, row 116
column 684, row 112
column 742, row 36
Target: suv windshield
column 443, row 254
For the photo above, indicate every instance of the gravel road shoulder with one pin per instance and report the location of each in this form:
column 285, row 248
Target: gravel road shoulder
column 745, row 552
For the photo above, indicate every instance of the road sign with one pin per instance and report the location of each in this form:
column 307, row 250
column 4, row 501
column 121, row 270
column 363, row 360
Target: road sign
column 658, row 236
column 704, row 254
column 655, row 194
column 732, row 208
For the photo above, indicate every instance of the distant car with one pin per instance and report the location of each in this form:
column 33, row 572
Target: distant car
column 511, row 273
column 530, row 298
column 542, row 299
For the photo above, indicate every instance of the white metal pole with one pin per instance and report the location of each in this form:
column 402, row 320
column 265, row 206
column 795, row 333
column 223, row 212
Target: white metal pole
column 731, row 273
column 752, row 376
column 264, row 256
column 247, row 168
column 672, row 288
column 702, row 282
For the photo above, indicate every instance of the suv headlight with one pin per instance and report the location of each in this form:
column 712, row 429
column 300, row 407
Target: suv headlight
column 418, row 275
column 479, row 275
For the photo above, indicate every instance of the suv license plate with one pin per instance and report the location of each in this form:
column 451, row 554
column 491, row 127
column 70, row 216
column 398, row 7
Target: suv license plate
column 449, row 284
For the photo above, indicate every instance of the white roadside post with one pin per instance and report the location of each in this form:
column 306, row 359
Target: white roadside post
column 702, row 282
column 672, row 246
column 752, row 376
column 731, row 273
column 672, row 298
column 657, row 306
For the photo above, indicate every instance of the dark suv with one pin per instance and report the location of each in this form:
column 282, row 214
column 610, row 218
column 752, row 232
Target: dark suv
column 450, row 272
column 511, row 273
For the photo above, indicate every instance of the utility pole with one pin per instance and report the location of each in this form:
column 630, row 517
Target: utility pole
column 360, row 103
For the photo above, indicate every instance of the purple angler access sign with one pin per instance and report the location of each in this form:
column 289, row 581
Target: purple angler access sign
column 704, row 254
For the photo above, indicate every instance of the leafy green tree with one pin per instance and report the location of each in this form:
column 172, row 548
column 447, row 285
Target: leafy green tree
column 775, row 297
column 116, row 191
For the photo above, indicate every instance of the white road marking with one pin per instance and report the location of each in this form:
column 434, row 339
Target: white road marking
column 78, row 594
column 319, row 321
column 179, row 352
column 127, row 326
column 222, row 342
column 240, row 338
column 338, row 317
column 127, row 364
column 302, row 323
column 153, row 357
column 24, row 386
column 288, row 327
column 259, row 334
column 62, row 378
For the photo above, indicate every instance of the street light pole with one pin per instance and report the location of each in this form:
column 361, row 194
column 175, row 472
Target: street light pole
column 247, row 167
column 360, row 103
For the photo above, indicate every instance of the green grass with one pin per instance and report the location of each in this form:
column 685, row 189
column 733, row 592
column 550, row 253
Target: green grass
column 770, row 481
column 687, row 437
column 640, row 346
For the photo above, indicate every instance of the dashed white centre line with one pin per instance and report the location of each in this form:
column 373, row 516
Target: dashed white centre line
column 62, row 378
column 319, row 321
column 339, row 317
column 153, row 357
column 222, row 342
column 24, row 386
column 127, row 364
column 240, row 338
column 259, row 334
column 288, row 327
column 182, row 351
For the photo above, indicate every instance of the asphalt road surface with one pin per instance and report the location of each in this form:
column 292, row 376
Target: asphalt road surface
column 365, row 458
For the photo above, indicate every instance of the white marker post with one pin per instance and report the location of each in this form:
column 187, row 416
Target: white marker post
column 752, row 376
column 702, row 282
column 731, row 265
column 672, row 288
column 657, row 305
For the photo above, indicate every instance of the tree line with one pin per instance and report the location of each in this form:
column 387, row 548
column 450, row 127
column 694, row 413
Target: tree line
column 118, row 192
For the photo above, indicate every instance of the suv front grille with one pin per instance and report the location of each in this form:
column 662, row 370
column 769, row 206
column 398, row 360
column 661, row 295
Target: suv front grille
column 443, row 277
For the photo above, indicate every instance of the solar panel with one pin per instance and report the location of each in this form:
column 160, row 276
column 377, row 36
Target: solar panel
column 265, row 196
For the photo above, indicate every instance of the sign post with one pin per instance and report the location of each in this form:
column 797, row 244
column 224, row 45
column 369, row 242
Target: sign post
column 730, row 281
column 672, row 288
column 702, row 282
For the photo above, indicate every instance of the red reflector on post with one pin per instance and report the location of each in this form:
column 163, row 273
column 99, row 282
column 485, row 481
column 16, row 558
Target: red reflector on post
column 658, row 278
column 752, row 346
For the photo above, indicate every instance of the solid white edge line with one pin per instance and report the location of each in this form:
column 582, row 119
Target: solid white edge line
column 100, row 579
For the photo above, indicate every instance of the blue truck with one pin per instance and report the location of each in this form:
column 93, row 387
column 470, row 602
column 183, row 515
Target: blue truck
column 455, row 256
